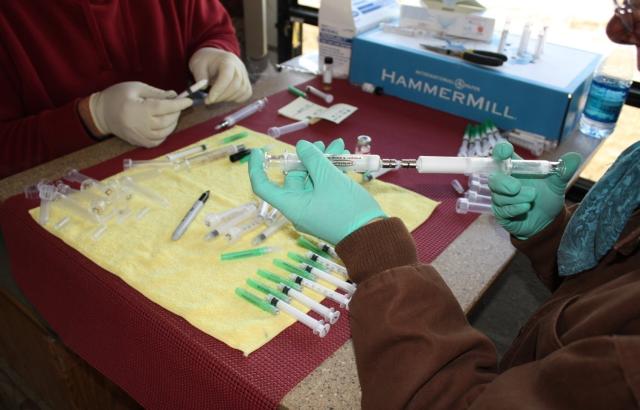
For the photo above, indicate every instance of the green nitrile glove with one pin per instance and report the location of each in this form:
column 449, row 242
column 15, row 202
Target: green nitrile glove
column 325, row 202
column 525, row 204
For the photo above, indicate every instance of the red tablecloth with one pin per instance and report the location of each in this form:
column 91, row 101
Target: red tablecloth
column 160, row 359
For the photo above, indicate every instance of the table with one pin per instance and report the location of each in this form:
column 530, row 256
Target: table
column 469, row 265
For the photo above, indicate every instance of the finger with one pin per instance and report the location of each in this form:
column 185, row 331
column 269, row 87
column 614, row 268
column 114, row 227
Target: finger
column 260, row 183
column 526, row 195
column 299, row 180
column 504, row 184
column 224, row 77
column 511, row 211
column 335, row 147
column 246, row 94
column 233, row 88
column 502, row 151
column 163, row 121
column 147, row 91
column 571, row 162
column 164, row 107
column 314, row 160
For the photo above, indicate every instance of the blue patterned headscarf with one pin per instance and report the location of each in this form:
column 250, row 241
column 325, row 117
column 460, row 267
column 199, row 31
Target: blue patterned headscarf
column 596, row 225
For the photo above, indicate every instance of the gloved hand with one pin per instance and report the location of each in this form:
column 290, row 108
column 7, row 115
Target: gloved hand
column 136, row 112
column 525, row 205
column 226, row 73
column 325, row 202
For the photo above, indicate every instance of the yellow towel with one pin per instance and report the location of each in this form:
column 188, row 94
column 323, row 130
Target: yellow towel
column 187, row 276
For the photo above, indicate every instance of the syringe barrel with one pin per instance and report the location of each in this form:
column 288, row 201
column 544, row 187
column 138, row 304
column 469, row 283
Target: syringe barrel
column 276, row 132
column 214, row 154
column 236, row 232
column 333, row 295
column 327, row 277
column 317, row 326
column 328, row 313
column 464, row 206
column 348, row 162
column 470, row 165
column 244, row 112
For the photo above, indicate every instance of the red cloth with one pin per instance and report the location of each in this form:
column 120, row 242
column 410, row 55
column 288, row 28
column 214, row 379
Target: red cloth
column 160, row 359
column 54, row 52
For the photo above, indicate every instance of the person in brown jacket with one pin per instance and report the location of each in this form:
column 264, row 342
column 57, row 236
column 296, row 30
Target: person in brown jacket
column 414, row 347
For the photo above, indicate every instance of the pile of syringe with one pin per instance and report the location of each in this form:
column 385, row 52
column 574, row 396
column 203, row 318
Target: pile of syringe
column 477, row 199
column 235, row 223
column 478, row 140
column 302, row 273
column 95, row 202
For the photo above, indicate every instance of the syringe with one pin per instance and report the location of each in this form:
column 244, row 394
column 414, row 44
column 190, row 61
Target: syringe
column 333, row 295
column 470, row 165
column 329, row 314
column 233, row 118
column 318, row 326
column 347, row 162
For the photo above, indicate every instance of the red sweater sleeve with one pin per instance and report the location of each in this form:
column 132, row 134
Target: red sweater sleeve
column 207, row 24
column 26, row 141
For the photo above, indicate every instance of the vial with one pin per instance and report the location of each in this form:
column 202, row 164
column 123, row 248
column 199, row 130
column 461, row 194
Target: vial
column 608, row 92
column 327, row 73
column 371, row 89
column 363, row 145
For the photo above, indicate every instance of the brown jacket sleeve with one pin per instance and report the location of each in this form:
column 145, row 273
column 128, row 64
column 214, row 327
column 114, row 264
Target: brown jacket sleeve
column 415, row 349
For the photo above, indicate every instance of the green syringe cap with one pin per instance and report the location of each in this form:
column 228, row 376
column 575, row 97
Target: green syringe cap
column 278, row 279
column 301, row 259
column 234, row 137
column 259, row 286
column 307, row 244
column 256, row 301
column 292, row 269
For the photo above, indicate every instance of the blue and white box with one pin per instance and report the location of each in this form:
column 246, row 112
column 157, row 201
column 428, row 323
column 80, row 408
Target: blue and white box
column 544, row 97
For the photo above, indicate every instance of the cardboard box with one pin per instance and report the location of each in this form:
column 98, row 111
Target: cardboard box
column 339, row 21
column 545, row 97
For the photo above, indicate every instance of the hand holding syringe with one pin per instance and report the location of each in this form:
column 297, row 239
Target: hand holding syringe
column 424, row 164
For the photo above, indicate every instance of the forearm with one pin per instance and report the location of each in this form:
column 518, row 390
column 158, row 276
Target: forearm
column 29, row 141
column 413, row 345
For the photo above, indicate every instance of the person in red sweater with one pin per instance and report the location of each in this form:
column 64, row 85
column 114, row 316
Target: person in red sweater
column 72, row 72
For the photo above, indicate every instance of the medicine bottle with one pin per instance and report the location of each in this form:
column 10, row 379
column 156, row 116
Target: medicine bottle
column 327, row 73
column 608, row 92
column 363, row 145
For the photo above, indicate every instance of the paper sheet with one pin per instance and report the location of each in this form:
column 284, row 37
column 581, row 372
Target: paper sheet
column 301, row 109
column 187, row 276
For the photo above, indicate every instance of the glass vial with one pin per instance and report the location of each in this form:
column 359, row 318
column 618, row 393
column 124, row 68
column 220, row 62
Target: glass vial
column 608, row 92
column 327, row 73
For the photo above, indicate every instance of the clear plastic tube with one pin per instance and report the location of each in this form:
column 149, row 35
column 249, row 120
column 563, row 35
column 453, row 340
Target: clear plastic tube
column 216, row 154
column 145, row 192
column 328, row 98
column 67, row 203
column 263, row 209
column 330, row 314
column 129, row 163
column 341, row 299
column 469, row 165
column 237, row 116
column 248, row 213
column 524, row 40
column 330, row 265
column 237, row 232
column 480, row 188
column 463, row 151
column 272, row 229
column 277, row 132
column 542, row 38
column 47, row 194
column 481, row 179
column 213, row 219
column 536, row 147
column 186, row 152
column 457, row 186
column 327, row 277
column 503, row 37
column 347, row 162
column 464, row 206
column 475, row 197
column 87, row 182
column 318, row 326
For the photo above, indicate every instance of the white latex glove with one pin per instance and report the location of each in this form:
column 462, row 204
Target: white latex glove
column 136, row 112
column 226, row 73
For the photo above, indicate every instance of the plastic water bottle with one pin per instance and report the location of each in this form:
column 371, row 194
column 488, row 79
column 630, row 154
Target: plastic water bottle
column 609, row 89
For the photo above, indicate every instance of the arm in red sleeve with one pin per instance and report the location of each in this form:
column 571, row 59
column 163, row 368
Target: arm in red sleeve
column 415, row 349
column 207, row 24
column 29, row 140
